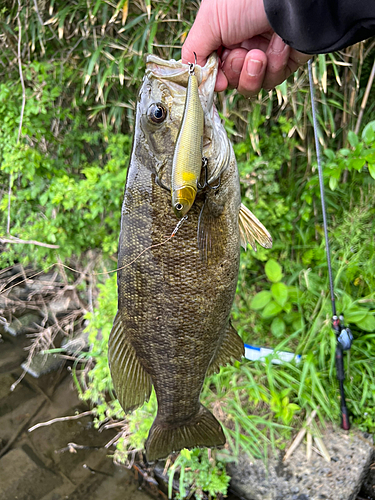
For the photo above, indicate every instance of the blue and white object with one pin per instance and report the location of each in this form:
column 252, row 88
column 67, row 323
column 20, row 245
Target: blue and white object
column 278, row 357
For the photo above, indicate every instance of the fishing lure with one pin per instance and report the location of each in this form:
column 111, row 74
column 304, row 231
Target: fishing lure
column 187, row 158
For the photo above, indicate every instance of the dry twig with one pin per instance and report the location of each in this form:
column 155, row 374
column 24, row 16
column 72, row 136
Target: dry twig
column 13, row 239
column 299, row 437
column 60, row 419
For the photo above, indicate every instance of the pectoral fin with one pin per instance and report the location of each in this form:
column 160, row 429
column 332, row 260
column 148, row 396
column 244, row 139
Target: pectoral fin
column 231, row 349
column 131, row 382
column 251, row 230
column 209, row 231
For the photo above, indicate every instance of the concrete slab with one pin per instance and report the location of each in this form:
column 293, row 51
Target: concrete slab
column 299, row 479
column 22, row 479
column 42, row 364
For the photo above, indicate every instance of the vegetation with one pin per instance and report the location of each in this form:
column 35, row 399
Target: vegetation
column 69, row 74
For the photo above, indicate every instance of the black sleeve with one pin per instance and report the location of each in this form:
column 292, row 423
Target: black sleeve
column 319, row 26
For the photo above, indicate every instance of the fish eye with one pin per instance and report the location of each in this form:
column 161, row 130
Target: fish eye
column 157, row 112
column 178, row 206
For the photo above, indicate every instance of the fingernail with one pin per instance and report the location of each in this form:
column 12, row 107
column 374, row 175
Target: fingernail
column 236, row 65
column 254, row 67
column 224, row 55
column 277, row 44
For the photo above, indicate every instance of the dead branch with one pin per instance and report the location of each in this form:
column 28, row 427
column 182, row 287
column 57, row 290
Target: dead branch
column 38, row 13
column 365, row 98
column 299, row 437
column 73, row 447
column 13, row 239
column 60, row 419
column 20, row 72
column 22, row 106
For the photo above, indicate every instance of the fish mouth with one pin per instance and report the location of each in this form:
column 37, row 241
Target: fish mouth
column 175, row 75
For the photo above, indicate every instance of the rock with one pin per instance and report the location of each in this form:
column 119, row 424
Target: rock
column 77, row 344
column 299, row 479
column 22, row 479
column 62, row 305
column 42, row 364
column 5, row 327
column 39, row 282
column 368, row 486
column 25, row 324
column 11, row 361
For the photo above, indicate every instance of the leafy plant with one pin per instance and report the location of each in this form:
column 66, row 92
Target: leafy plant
column 277, row 303
column 198, row 473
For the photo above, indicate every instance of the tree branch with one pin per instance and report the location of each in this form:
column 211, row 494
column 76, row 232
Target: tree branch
column 27, row 242
column 23, row 103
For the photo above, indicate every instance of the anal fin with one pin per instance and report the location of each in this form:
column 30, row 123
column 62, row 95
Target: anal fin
column 232, row 348
column 131, row 382
column 251, row 230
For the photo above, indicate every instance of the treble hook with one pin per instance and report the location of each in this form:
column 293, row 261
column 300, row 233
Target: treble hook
column 205, row 184
column 204, row 166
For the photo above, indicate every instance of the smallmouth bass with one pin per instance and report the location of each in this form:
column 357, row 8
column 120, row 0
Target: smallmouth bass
column 172, row 327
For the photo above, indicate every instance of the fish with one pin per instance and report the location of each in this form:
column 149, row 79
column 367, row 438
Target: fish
column 187, row 159
column 175, row 293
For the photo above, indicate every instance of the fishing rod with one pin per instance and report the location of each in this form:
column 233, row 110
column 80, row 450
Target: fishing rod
column 344, row 337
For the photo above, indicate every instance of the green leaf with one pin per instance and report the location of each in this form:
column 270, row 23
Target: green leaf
column 287, row 307
column 371, row 169
column 355, row 315
column 307, row 257
column 260, row 300
column 294, row 407
column 278, row 327
column 368, row 133
column 329, row 154
column 293, row 293
column 357, row 163
column 273, row 271
column 352, row 138
column 367, row 324
column 333, row 183
column 271, row 309
column 185, row 453
column 280, row 293
column 298, row 324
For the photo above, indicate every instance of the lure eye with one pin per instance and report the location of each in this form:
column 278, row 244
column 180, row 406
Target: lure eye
column 157, row 112
column 179, row 206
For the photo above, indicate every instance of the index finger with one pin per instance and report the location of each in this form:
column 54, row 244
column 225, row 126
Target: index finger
column 203, row 38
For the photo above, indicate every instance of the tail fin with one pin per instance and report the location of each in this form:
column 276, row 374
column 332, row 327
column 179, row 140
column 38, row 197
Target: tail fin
column 201, row 430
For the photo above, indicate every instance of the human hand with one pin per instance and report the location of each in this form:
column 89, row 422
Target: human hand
column 252, row 55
